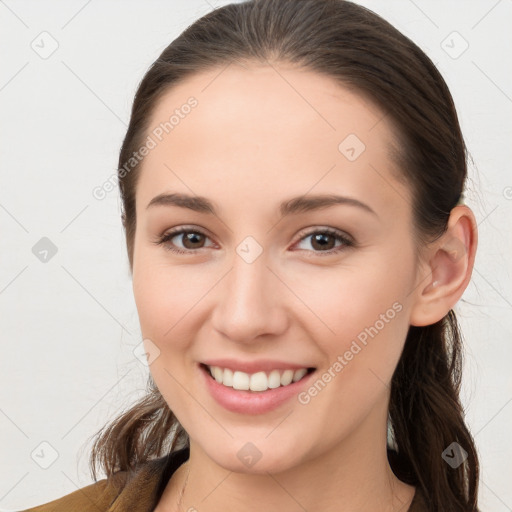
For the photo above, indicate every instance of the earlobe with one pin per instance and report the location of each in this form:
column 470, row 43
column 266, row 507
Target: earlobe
column 450, row 264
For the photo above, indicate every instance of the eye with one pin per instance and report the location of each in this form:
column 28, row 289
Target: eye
column 192, row 240
column 324, row 240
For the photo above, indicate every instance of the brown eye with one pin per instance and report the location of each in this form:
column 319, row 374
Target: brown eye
column 324, row 241
column 190, row 240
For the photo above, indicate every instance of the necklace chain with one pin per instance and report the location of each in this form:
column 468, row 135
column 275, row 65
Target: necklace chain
column 183, row 489
column 180, row 499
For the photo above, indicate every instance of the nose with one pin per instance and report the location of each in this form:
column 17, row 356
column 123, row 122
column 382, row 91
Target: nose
column 250, row 302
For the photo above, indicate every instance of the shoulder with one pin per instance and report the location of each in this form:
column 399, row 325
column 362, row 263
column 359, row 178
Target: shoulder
column 120, row 489
column 95, row 497
column 129, row 490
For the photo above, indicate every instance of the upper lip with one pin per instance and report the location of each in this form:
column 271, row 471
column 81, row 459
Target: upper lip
column 263, row 365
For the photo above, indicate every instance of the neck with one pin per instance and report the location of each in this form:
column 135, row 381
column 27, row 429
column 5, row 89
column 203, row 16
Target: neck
column 354, row 475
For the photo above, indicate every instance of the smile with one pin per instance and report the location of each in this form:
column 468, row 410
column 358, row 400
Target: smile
column 259, row 381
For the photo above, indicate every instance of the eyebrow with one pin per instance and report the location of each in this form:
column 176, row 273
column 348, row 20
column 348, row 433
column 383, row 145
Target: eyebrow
column 298, row 204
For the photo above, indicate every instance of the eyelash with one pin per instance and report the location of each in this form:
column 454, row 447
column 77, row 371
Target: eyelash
column 339, row 236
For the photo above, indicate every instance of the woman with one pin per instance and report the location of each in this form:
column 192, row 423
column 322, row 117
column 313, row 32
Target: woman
column 292, row 181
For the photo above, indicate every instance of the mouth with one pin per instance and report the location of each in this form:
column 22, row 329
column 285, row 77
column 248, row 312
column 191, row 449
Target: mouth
column 255, row 382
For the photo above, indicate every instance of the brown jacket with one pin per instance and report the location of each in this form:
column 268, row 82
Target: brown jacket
column 138, row 491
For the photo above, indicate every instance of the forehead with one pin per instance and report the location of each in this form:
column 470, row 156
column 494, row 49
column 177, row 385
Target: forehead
column 268, row 131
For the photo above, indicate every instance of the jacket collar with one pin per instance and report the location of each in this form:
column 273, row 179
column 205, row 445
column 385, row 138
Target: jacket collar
column 143, row 487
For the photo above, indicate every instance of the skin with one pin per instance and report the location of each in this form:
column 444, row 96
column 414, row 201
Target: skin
column 261, row 135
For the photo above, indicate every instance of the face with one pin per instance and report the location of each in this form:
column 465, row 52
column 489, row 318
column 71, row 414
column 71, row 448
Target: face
column 259, row 281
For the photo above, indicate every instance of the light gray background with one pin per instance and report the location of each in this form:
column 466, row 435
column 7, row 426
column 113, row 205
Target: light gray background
column 69, row 326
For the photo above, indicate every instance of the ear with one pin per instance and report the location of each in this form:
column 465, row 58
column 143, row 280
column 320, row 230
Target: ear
column 446, row 271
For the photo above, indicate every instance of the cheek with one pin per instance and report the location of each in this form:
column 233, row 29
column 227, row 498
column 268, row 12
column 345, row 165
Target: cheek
column 342, row 303
column 361, row 314
column 164, row 298
column 164, row 295
column 367, row 325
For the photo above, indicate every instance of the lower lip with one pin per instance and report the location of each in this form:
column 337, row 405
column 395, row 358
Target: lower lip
column 252, row 402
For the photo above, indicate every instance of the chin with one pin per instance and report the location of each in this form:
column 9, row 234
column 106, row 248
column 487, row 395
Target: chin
column 254, row 458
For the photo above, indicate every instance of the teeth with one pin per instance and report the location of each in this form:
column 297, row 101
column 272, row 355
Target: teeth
column 217, row 374
column 298, row 374
column 274, row 379
column 240, row 380
column 259, row 381
column 227, row 377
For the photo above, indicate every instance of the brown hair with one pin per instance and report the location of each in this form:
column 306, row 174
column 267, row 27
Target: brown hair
column 362, row 51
